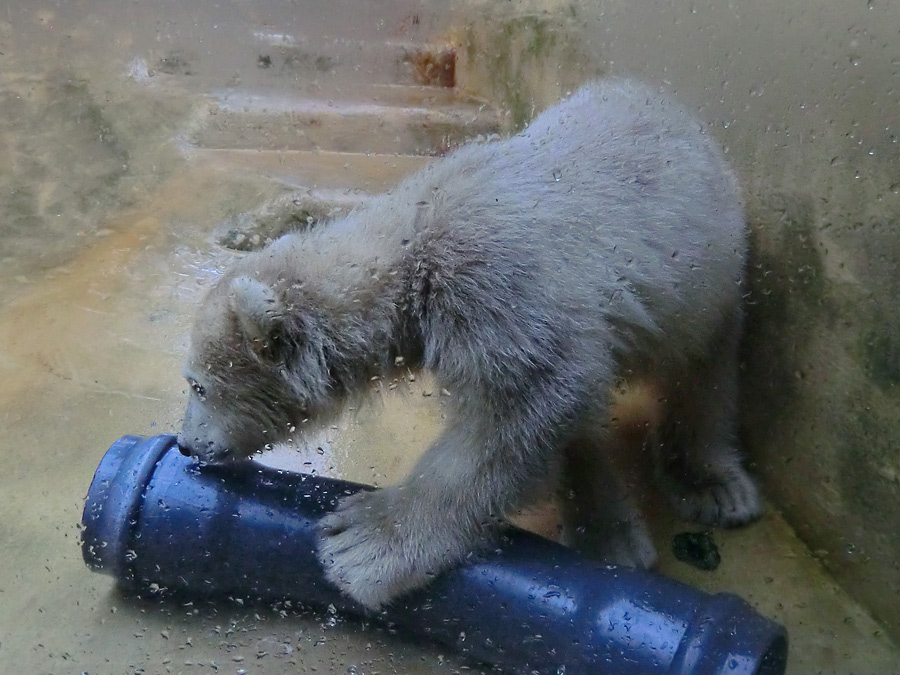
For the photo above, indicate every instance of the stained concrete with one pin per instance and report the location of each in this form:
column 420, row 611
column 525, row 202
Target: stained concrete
column 110, row 234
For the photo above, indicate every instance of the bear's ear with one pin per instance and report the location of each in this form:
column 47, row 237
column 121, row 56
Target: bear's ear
column 260, row 314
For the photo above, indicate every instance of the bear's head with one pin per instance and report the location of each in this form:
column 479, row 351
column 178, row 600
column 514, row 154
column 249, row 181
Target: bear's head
column 255, row 370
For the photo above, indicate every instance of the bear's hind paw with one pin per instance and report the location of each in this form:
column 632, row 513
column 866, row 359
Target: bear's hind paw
column 728, row 502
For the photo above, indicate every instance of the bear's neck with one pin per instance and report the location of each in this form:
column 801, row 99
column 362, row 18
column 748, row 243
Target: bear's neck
column 352, row 280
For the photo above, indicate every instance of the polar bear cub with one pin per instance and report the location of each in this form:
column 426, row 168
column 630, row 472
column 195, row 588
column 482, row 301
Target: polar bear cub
column 605, row 241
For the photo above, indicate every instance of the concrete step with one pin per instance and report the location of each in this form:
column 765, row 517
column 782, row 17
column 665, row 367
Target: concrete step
column 402, row 120
column 321, row 66
column 358, row 60
column 335, row 120
column 336, row 171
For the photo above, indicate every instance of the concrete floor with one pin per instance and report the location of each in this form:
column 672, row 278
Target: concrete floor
column 107, row 246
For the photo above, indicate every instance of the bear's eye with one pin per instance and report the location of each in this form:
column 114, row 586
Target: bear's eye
column 197, row 387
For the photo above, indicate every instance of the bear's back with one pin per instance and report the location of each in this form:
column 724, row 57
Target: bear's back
column 615, row 198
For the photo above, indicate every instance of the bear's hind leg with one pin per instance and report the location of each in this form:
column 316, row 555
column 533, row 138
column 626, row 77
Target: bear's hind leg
column 698, row 462
column 600, row 519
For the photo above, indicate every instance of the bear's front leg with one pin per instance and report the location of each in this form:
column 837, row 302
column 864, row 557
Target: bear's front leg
column 378, row 545
column 375, row 547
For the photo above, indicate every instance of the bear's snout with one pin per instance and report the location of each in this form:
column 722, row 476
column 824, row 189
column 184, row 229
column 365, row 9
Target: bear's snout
column 184, row 447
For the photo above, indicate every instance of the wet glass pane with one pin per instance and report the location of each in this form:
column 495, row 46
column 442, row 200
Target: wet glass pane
column 146, row 146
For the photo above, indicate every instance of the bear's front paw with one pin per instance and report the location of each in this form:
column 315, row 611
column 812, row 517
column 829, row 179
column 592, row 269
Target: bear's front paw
column 374, row 551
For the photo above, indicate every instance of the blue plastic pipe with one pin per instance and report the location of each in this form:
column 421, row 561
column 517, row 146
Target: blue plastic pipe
column 153, row 518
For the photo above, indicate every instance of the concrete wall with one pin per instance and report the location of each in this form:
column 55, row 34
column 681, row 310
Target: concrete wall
column 522, row 56
column 804, row 96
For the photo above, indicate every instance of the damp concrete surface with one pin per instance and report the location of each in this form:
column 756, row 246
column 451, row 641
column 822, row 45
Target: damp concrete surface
column 109, row 235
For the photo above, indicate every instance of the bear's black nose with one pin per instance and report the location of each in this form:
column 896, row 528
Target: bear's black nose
column 184, row 450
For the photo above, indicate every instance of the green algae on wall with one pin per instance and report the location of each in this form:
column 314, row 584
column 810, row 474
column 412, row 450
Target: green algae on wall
column 821, row 366
column 523, row 62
